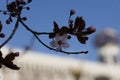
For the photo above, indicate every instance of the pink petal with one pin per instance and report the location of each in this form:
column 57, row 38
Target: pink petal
column 53, row 44
column 57, row 37
column 64, row 37
column 59, row 48
column 65, row 45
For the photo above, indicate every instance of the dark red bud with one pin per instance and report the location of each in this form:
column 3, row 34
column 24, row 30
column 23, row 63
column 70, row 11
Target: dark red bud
column 90, row 30
column 4, row 13
column 69, row 37
column 72, row 11
column 8, row 21
column 2, row 35
column 28, row 8
column 24, row 18
column 29, row 1
column 16, row 53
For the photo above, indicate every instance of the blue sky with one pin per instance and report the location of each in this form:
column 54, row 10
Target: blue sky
column 99, row 13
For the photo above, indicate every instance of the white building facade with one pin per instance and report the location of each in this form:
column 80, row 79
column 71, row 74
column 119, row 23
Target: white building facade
column 36, row 66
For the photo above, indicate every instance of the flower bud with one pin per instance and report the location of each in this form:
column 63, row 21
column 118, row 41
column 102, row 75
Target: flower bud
column 24, row 18
column 72, row 11
column 8, row 21
column 28, row 8
column 90, row 30
column 16, row 53
column 2, row 35
column 69, row 37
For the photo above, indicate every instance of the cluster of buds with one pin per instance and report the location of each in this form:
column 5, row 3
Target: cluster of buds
column 16, row 6
column 14, row 9
column 76, row 28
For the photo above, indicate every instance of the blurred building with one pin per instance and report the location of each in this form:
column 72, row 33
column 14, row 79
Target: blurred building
column 36, row 66
column 107, row 45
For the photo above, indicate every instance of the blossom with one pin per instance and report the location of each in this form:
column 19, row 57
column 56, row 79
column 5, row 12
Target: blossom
column 60, row 41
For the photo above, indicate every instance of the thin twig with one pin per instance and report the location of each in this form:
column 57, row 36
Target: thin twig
column 85, row 52
column 40, row 33
column 11, row 35
column 35, row 32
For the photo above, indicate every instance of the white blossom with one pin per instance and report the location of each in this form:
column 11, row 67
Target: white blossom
column 60, row 41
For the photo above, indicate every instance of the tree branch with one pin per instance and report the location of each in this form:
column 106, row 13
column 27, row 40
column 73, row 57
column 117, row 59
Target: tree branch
column 36, row 33
column 11, row 35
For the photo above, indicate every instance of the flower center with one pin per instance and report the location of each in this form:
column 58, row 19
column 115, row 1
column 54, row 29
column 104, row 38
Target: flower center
column 59, row 42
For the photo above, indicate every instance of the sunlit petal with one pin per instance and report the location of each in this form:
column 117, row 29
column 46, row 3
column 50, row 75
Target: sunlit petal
column 59, row 48
column 64, row 37
column 57, row 37
column 65, row 45
column 53, row 44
